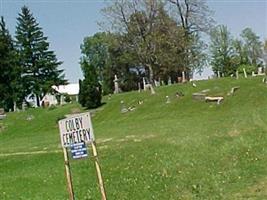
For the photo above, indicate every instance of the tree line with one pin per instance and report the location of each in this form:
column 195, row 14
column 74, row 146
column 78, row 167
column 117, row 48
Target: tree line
column 28, row 67
column 159, row 40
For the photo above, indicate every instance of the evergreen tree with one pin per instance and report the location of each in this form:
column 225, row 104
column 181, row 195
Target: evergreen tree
column 39, row 64
column 10, row 73
column 90, row 89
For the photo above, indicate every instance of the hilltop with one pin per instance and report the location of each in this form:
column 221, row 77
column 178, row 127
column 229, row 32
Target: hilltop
column 185, row 149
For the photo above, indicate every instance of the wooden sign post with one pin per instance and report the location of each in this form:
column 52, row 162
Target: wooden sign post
column 68, row 174
column 75, row 132
column 98, row 171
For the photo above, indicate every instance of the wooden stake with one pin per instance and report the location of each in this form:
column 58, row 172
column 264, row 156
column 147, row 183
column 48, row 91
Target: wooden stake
column 68, row 174
column 98, row 171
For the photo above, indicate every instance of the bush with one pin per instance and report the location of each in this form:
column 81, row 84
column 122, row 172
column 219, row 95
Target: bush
column 67, row 98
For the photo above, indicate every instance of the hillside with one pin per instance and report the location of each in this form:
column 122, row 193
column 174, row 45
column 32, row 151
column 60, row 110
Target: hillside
column 186, row 149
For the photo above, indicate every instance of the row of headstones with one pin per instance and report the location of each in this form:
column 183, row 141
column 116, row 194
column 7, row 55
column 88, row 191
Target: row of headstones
column 146, row 85
column 219, row 74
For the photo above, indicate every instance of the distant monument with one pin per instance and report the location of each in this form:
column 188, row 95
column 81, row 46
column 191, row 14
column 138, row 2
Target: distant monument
column 183, row 77
column 116, row 85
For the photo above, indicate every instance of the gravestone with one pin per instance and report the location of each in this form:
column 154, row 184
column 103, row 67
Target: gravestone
column 168, row 99
column 253, row 74
column 123, row 107
column 157, row 83
column 169, row 81
column 199, row 96
column 116, row 85
column 245, row 73
column 183, row 77
column 259, row 70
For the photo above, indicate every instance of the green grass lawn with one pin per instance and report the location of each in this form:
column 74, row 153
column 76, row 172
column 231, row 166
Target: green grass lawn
column 187, row 149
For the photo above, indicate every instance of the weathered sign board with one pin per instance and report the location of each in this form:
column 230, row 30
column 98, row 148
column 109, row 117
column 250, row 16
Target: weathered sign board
column 76, row 132
column 76, row 129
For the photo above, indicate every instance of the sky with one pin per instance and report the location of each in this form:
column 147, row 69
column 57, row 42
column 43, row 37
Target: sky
column 67, row 22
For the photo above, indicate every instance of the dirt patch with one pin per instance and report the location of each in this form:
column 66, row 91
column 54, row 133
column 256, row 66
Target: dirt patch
column 256, row 191
column 29, row 153
column 104, row 140
column 75, row 110
column 234, row 133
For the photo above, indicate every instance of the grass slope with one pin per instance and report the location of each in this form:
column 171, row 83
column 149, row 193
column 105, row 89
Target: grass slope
column 183, row 150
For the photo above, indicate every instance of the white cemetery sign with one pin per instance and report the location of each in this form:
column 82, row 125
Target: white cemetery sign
column 75, row 129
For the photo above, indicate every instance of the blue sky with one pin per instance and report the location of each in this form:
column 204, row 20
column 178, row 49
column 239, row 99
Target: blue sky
column 66, row 23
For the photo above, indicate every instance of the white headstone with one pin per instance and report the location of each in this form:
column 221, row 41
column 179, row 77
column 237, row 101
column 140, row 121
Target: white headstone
column 169, row 81
column 259, row 70
column 245, row 73
column 236, row 74
column 168, row 99
column 183, row 77
column 116, row 85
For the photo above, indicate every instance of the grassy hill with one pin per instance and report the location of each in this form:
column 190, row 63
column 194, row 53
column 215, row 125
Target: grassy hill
column 186, row 149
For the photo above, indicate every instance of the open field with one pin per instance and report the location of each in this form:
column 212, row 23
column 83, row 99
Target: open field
column 186, row 149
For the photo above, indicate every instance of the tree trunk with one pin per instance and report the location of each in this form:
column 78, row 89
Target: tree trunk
column 151, row 79
column 151, row 75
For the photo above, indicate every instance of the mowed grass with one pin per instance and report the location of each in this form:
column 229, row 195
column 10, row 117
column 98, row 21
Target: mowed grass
column 186, row 149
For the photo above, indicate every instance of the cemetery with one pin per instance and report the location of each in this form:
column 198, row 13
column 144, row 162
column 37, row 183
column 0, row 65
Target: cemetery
column 154, row 100
column 159, row 140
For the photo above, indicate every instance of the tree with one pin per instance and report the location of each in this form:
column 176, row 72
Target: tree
column 39, row 64
column 10, row 72
column 195, row 17
column 149, row 35
column 221, row 50
column 136, row 22
column 252, row 46
column 95, row 51
column 90, row 89
column 265, row 53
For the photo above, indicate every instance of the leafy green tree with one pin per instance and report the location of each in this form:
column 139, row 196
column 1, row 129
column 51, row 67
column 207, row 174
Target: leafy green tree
column 39, row 64
column 149, row 35
column 10, row 73
column 135, row 21
column 252, row 47
column 221, row 50
column 95, row 51
column 90, row 88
